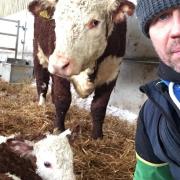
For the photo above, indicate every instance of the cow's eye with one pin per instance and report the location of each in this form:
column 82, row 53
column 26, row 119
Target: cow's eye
column 47, row 164
column 92, row 24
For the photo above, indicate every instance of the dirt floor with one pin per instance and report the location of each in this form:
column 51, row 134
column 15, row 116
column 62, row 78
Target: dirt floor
column 112, row 158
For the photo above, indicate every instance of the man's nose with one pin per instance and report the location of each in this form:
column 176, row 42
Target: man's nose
column 175, row 29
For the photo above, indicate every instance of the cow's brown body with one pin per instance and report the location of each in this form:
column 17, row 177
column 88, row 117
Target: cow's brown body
column 44, row 35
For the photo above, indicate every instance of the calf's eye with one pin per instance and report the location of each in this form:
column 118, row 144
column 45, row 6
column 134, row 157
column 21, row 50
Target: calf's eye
column 47, row 164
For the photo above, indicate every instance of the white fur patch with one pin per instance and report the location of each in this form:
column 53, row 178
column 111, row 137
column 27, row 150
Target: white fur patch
column 65, row 133
column 3, row 139
column 43, row 60
column 13, row 176
column 82, row 83
column 42, row 100
column 108, row 70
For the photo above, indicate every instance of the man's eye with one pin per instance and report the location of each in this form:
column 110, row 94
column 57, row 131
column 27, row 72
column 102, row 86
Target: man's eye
column 164, row 16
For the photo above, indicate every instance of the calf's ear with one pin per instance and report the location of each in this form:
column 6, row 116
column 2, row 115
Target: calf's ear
column 125, row 8
column 74, row 133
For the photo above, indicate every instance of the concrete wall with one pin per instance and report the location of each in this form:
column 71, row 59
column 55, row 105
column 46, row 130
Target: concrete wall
column 126, row 94
column 137, row 45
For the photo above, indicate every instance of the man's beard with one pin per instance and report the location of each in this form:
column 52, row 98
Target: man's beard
column 175, row 45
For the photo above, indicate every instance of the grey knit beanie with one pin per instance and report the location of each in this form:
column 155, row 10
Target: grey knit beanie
column 146, row 10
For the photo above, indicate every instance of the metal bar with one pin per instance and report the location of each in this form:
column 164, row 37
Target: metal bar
column 7, row 34
column 24, row 40
column 144, row 60
column 17, row 38
column 9, row 20
column 15, row 35
column 11, row 49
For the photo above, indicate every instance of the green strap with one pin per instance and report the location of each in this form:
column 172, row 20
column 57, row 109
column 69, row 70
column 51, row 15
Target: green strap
column 149, row 171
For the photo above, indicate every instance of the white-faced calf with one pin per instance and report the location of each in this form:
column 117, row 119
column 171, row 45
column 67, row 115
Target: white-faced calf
column 51, row 158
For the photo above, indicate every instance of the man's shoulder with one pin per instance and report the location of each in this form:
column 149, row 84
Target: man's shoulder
column 152, row 85
column 153, row 90
column 155, row 105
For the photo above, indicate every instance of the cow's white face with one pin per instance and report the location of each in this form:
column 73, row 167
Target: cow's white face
column 82, row 30
column 82, row 27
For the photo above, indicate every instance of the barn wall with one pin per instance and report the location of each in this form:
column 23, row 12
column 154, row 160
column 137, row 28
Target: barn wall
column 126, row 94
column 26, row 19
column 12, row 6
column 137, row 45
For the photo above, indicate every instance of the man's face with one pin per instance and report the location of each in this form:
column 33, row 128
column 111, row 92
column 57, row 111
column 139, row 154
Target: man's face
column 164, row 32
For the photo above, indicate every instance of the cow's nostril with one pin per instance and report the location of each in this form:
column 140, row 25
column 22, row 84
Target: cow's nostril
column 65, row 66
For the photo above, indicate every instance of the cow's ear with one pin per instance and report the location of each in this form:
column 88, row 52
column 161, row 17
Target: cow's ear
column 42, row 9
column 123, row 9
column 34, row 7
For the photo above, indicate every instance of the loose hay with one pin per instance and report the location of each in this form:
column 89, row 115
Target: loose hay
column 109, row 159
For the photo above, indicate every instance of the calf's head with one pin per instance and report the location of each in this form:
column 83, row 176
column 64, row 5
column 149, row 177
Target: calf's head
column 82, row 28
column 52, row 156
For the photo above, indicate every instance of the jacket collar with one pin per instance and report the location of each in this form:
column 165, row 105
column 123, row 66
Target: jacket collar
column 167, row 73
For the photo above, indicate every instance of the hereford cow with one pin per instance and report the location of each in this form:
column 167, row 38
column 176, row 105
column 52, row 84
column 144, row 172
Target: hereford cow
column 90, row 43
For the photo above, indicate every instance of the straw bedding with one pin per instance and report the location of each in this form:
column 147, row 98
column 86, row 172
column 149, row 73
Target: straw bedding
column 112, row 158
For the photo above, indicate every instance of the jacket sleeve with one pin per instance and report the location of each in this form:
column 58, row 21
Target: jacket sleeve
column 148, row 165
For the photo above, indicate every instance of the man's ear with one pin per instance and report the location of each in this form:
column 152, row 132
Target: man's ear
column 123, row 9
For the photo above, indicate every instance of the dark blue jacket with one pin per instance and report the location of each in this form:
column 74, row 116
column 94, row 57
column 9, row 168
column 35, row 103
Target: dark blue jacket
column 158, row 128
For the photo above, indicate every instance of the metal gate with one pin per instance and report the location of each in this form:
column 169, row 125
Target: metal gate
column 15, row 35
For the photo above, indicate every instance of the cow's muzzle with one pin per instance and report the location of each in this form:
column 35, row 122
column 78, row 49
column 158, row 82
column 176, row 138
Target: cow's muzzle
column 62, row 66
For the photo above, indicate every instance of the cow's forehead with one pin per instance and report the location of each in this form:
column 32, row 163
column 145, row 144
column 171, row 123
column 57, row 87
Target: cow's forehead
column 83, row 4
column 69, row 7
